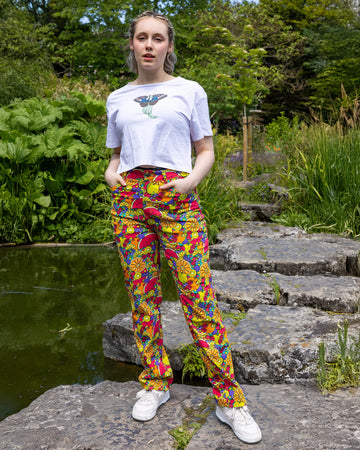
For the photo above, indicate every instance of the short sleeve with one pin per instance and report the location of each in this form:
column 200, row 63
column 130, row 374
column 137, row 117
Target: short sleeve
column 112, row 134
column 200, row 125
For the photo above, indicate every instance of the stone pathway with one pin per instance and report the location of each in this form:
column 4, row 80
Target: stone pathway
column 292, row 417
column 295, row 289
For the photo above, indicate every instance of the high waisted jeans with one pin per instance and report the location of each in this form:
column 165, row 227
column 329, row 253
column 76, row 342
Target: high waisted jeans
column 147, row 219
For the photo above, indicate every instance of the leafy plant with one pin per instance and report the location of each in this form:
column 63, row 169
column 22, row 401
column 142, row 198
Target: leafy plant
column 193, row 362
column 52, row 165
column 345, row 370
column 281, row 134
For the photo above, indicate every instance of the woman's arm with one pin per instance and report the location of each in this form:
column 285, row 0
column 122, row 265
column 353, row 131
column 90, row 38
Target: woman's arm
column 111, row 176
column 204, row 160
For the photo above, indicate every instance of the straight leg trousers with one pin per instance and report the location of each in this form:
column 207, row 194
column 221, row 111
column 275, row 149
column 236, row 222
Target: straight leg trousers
column 145, row 220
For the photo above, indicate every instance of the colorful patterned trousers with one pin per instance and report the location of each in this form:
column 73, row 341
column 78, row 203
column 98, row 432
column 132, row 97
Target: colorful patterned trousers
column 147, row 219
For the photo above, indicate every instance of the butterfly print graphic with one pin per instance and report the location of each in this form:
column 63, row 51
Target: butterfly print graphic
column 148, row 101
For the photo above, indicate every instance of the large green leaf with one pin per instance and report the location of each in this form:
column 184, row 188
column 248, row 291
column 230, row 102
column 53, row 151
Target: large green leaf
column 44, row 200
column 85, row 179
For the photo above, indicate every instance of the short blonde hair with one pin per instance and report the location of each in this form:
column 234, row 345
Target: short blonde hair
column 170, row 60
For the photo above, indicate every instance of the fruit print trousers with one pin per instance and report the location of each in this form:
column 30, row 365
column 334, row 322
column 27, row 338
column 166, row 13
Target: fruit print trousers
column 145, row 220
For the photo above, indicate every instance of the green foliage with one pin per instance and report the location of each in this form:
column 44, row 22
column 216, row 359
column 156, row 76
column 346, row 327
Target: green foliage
column 258, row 193
column 24, row 68
column 333, row 57
column 345, row 370
column 281, row 134
column 301, row 14
column 52, row 165
column 323, row 178
column 235, row 53
column 217, row 193
column 193, row 362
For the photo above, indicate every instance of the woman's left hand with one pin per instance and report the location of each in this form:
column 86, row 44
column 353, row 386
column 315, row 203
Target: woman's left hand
column 181, row 185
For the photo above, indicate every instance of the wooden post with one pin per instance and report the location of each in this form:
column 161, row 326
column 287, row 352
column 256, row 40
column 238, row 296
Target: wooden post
column 249, row 135
column 245, row 148
column 246, row 144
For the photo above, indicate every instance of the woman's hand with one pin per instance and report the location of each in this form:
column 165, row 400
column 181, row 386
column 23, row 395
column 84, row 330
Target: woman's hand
column 113, row 178
column 181, row 185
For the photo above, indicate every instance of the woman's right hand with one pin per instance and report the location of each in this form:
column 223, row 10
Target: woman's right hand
column 113, row 178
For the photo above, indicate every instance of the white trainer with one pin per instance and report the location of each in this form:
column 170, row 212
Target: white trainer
column 149, row 401
column 241, row 422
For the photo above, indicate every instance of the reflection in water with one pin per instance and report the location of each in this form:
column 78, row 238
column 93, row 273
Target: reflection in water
column 52, row 305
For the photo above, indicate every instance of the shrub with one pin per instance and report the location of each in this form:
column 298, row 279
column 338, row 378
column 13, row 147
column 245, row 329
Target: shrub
column 52, row 171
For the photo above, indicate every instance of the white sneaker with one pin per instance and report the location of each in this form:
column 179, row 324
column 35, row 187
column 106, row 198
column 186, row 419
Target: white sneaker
column 149, row 401
column 243, row 425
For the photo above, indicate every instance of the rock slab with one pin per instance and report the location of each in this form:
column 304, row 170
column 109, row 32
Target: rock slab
column 272, row 344
column 99, row 418
column 289, row 251
column 244, row 289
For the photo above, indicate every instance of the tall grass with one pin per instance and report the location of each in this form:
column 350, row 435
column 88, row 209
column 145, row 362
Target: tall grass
column 323, row 177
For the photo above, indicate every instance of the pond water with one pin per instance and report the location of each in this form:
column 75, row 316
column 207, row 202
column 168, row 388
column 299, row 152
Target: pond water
column 53, row 301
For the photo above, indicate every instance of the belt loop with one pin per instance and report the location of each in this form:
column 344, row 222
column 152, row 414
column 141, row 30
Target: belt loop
column 164, row 174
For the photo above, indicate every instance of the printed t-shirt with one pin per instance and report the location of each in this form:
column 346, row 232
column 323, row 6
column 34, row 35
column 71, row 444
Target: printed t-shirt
column 155, row 124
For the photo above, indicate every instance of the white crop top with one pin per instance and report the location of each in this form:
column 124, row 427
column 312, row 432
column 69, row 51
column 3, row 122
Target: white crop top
column 155, row 124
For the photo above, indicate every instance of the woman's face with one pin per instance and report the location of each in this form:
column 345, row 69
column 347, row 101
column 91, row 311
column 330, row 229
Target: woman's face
column 151, row 44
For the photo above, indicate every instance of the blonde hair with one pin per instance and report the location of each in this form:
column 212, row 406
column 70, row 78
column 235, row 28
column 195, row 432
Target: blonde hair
column 170, row 59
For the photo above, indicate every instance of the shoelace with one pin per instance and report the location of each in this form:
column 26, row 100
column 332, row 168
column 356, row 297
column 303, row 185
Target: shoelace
column 147, row 396
column 243, row 415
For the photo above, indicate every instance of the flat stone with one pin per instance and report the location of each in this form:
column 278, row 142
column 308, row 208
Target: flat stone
column 280, row 344
column 98, row 417
column 95, row 417
column 272, row 344
column 338, row 294
column 289, row 251
column 291, row 417
column 244, row 289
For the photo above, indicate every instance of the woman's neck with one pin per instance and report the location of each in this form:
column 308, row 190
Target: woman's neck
column 152, row 78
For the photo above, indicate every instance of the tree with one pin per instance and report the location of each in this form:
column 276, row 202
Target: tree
column 331, row 30
column 24, row 67
column 301, row 14
column 236, row 53
column 87, row 37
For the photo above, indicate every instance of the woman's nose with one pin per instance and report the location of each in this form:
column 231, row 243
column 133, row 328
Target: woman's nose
column 149, row 43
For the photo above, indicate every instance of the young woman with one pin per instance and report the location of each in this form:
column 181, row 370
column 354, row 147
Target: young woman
column 153, row 123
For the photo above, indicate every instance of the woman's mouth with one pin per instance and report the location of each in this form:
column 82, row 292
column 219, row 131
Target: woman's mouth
column 148, row 56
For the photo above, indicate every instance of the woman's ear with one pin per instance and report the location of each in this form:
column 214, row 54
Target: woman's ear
column 171, row 47
column 131, row 44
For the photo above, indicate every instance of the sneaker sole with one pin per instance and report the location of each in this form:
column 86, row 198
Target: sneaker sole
column 224, row 419
column 145, row 419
